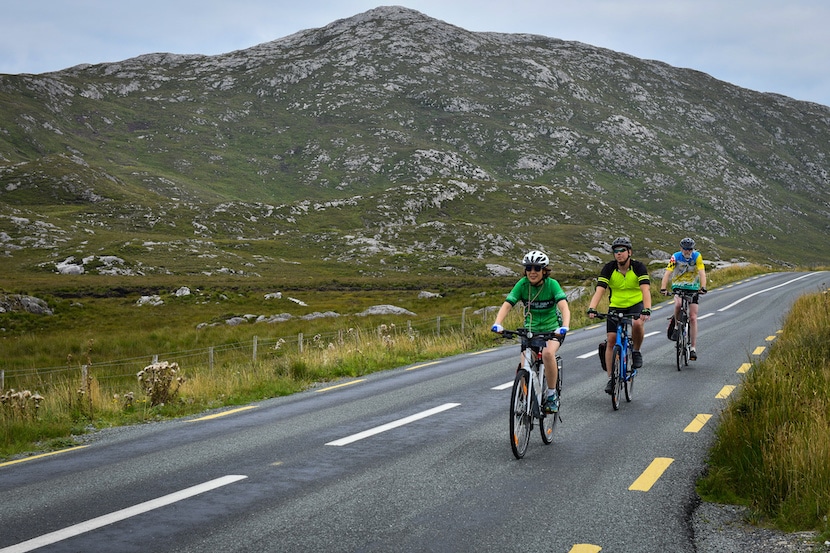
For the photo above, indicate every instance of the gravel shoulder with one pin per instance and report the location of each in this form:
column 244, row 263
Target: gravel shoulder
column 724, row 529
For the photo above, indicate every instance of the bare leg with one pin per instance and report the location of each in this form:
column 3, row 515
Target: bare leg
column 693, row 323
column 638, row 332
column 549, row 359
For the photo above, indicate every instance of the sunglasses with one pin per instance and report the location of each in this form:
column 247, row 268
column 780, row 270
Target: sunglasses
column 535, row 268
column 620, row 250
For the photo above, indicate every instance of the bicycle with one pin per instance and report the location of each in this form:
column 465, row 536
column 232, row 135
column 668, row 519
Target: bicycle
column 683, row 344
column 621, row 358
column 530, row 389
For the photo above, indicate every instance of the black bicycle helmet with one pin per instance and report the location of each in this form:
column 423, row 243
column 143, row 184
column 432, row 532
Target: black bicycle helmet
column 536, row 257
column 687, row 244
column 621, row 241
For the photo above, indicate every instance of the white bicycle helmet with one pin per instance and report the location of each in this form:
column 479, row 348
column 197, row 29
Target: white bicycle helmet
column 536, row 257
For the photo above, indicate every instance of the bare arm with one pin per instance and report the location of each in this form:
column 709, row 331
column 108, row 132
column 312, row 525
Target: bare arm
column 646, row 289
column 565, row 309
column 597, row 296
column 503, row 311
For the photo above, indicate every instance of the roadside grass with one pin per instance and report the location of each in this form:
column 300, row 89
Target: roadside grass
column 772, row 449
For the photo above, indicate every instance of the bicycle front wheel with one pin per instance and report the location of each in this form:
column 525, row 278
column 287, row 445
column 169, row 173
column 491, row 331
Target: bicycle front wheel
column 520, row 418
column 616, row 390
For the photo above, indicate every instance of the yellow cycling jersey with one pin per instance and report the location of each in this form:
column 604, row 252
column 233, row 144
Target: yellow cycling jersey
column 685, row 272
column 625, row 289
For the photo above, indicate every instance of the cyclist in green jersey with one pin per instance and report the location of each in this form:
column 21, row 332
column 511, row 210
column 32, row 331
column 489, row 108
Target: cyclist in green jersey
column 629, row 290
column 546, row 310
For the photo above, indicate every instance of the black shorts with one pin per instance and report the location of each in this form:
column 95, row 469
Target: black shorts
column 695, row 298
column 611, row 326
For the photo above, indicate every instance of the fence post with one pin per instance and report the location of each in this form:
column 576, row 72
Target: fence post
column 155, row 359
column 210, row 357
column 255, row 343
column 439, row 326
column 463, row 318
column 300, row 342
column 86, row 387
column 2, row 380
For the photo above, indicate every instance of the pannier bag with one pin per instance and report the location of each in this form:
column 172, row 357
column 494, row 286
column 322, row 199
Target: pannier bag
column 601, row 353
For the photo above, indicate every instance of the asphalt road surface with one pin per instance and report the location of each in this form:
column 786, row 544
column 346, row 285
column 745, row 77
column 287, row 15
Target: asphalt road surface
column 416, row 458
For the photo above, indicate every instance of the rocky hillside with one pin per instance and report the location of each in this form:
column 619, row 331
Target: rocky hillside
column 391, row 141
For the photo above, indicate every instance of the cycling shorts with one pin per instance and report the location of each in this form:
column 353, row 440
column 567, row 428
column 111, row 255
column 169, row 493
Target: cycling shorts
column 611, row 326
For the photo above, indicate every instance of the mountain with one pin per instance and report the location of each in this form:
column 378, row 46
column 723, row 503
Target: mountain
column 394, row 142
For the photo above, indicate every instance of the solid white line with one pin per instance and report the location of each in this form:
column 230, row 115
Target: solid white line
column 704, row 316
column 504, row 386
column 92, row 524
column 734, row 303
column 391, row 425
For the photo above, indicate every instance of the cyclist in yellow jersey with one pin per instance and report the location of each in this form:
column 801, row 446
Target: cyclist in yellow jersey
column 546, row 310
column 686, row 271
column 629, row 290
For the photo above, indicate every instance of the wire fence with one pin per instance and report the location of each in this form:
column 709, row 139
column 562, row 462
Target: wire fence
column 254, row 350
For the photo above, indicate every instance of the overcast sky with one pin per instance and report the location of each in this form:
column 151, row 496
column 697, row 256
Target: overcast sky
column 780, row 46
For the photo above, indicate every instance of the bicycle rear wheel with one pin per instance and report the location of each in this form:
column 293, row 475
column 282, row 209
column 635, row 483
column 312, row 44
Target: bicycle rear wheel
column 687, row 343
column 520, row 418
column 629, row 375
column 615, row 374
column 549, row 420
column 680, row 345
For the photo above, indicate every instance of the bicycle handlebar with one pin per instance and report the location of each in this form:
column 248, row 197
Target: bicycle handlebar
column 525, row 333
column 614, row 316
column 684, row 292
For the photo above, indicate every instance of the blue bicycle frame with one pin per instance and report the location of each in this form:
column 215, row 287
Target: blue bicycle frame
column 622, row 370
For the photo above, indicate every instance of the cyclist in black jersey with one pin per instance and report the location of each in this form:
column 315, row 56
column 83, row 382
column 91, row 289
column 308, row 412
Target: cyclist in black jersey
column 546, row 310
column 629, row 290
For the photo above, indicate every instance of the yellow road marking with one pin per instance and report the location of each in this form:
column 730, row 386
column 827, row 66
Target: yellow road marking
column 744, row 368
column 341, row 385
column 224, row 413
column 483, row 351
column 725, row 391
column 421, row 366
column 759, row 350
column 585, row 548
column 654, row 471
column 698, row 423
column 771, row 338
column 33, row 457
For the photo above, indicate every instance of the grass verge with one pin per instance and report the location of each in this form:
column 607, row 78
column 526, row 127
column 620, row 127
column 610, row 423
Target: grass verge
column 772, row 450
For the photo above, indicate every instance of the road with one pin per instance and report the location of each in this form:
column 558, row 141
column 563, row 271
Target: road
column 414, row 459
